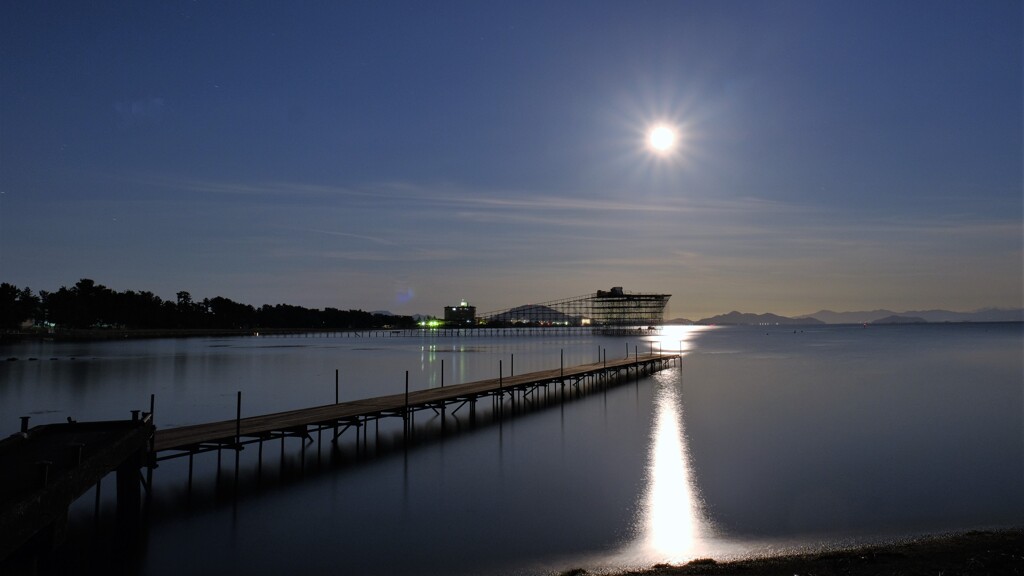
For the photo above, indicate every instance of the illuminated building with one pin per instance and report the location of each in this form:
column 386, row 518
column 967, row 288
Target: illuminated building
column 461, row 315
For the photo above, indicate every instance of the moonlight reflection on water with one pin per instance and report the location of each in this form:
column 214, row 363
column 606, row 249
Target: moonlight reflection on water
column 672, row 525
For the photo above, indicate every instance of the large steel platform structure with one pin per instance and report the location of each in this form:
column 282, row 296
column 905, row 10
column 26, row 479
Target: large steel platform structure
column 604, row 310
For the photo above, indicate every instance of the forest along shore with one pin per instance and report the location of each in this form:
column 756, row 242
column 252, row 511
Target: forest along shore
column 998, row 552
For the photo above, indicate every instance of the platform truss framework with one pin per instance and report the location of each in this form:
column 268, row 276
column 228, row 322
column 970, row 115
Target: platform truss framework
column 610, row 309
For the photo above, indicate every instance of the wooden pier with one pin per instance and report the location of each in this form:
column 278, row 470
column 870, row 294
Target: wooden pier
column 506, row 393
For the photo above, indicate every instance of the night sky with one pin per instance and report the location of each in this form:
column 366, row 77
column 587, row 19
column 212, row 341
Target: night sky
column 405, row 155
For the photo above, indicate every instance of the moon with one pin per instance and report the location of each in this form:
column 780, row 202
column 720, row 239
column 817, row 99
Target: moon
column 662, row 139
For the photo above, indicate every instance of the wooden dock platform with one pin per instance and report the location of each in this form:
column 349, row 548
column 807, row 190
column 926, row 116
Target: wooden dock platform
column 46, row 468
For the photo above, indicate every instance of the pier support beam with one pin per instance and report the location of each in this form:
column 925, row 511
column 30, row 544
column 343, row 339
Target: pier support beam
column 129, row 490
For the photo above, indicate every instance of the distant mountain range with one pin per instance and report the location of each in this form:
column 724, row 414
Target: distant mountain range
column 866, row 317
column 745, row 318
column 534, row 313
column 873, row 316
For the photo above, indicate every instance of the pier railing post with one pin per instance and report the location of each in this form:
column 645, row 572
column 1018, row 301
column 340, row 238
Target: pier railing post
column 636, row 365
column 238, row 435
column 151, row 447
column 336, row 398
column 238, row 418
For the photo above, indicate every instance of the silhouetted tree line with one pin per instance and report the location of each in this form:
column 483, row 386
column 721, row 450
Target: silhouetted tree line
column 91, row 305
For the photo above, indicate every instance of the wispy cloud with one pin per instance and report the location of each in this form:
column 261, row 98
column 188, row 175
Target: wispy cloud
column 373, row 239
column 436, row 222
column 266, row 189
column 448, row 195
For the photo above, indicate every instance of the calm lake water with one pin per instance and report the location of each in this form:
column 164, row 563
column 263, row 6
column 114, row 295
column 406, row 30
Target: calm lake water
column 763, row 440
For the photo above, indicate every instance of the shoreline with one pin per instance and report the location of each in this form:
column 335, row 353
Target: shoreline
column 102, row 334
column 106, row 334
column 987, row 552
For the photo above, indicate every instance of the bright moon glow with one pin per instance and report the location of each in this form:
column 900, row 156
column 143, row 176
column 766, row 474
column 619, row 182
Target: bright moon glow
column 662, row 139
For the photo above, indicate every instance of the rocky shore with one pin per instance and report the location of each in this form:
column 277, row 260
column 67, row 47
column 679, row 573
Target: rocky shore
column 969, row 554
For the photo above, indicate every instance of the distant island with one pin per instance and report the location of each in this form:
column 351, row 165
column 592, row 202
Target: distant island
column 896, row 319
column 679, row 322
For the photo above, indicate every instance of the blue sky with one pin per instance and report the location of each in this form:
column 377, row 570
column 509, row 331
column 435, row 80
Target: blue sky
column 405, row 155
